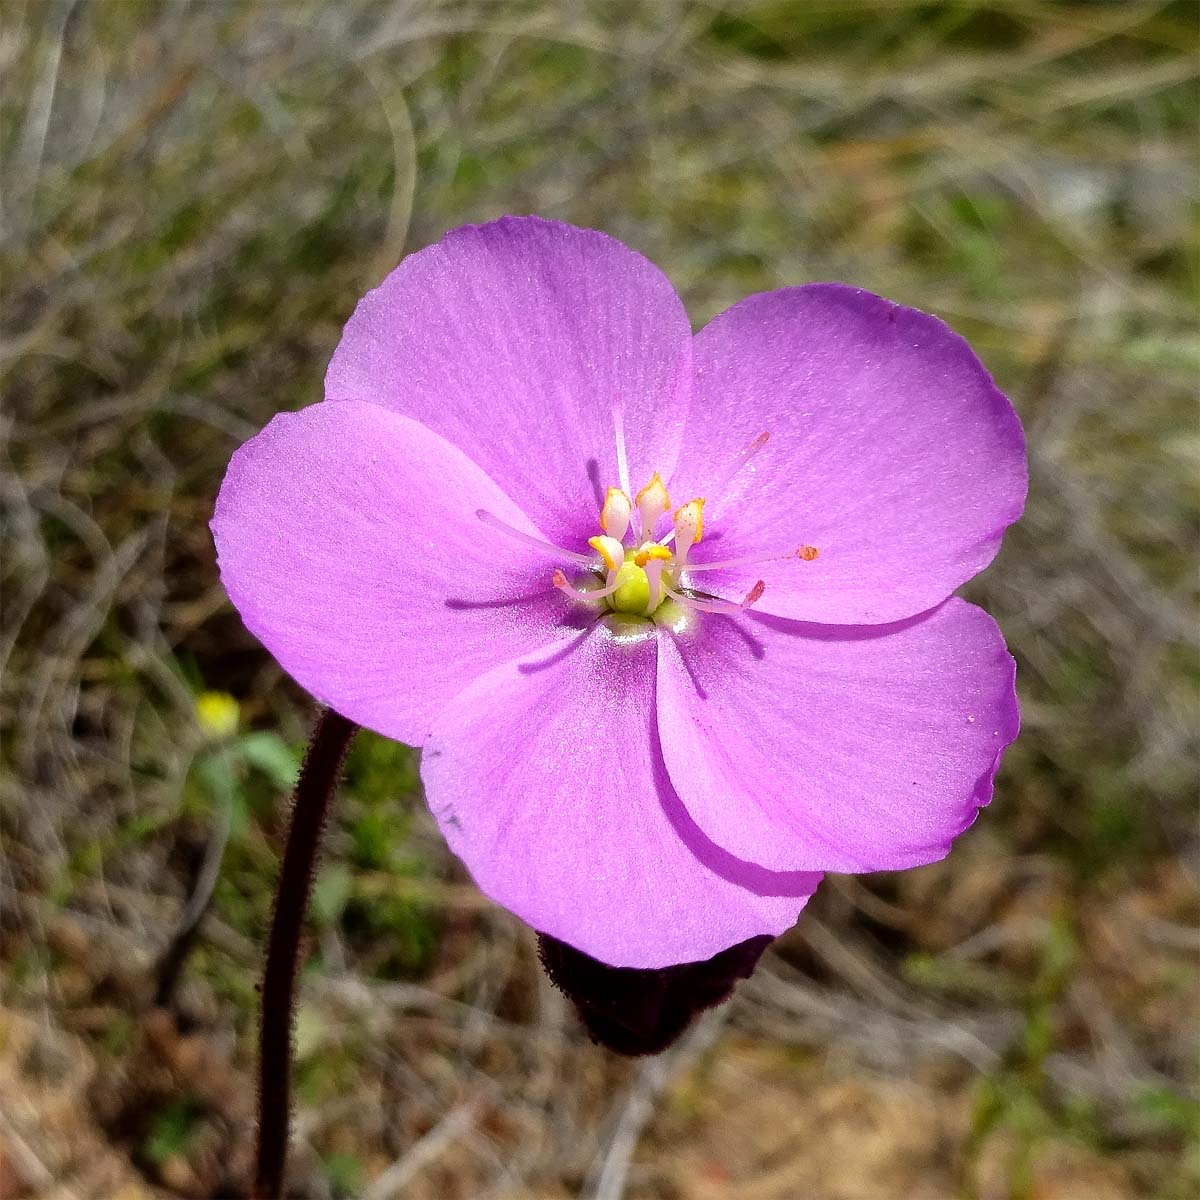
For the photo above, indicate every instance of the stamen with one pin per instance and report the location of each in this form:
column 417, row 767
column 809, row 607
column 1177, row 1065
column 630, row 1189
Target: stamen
column 614, row 516
column 716, row 605
column 654, row 569
column 807, row 553
column 652, row 501
column 622, row 460
column 742, row 459
column 494, row 522
column 689, row 527
column 610, row 550
column 563, row 584
column 652, row 550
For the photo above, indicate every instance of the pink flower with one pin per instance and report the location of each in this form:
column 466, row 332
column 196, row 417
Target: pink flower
column 648, row 723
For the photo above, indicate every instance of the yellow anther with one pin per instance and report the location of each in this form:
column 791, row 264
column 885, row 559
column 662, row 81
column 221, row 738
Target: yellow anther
column 614, row 516
column 689, row 520
column 652, row 502
column 655, row 488
column 649, row 551
column 609, row 549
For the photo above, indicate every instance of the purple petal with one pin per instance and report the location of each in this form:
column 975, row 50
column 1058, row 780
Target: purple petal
column 891, row 452
column 347, row 540
column 547, row 782
column 826, row 748
column 514, row 340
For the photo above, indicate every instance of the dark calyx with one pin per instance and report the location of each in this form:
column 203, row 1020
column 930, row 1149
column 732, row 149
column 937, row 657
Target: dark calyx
column 635, row 1011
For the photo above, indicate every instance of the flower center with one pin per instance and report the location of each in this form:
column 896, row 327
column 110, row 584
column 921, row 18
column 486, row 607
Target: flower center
column 640, row 577
column 637, row 574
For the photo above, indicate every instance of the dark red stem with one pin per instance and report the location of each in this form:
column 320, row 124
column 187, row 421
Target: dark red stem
column 318, row 779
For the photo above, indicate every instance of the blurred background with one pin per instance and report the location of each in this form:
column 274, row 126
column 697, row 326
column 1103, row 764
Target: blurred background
column 194, row 197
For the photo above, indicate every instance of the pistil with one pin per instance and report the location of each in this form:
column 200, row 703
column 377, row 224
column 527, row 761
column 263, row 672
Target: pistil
column 715, row 604
column 807, row 553
column 735, row 468
column 561, row 582
column 494, row 522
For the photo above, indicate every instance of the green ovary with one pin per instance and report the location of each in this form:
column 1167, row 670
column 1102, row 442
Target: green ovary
column 633, row 589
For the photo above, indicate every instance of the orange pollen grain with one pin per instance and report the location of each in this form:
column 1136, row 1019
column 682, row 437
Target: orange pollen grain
column 808, row 553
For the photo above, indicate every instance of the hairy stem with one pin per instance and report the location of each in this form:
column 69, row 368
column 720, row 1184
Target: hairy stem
column 318, row 778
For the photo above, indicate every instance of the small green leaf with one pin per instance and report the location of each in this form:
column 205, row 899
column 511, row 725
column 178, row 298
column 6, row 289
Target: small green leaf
column 271, row 755
column 344, row 1173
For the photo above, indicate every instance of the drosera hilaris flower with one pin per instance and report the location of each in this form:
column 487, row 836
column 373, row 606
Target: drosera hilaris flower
column 671, row 617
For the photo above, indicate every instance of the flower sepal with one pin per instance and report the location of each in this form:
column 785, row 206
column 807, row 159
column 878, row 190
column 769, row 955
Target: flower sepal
column 637, row 1012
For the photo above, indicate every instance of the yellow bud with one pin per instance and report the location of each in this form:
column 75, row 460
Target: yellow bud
column 217, row 714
